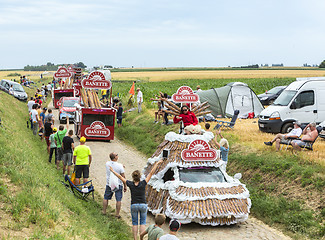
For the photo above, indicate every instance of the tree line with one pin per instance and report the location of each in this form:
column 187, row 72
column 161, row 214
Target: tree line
column 51, row 66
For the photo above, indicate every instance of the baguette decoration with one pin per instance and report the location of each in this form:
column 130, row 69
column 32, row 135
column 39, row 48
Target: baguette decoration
column 210, row 203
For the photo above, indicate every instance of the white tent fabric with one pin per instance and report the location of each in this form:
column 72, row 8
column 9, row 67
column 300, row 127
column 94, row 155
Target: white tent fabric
column 234, row 96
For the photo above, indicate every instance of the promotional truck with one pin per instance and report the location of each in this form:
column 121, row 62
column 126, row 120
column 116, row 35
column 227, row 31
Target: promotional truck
column 303, row 100
column 92, row 120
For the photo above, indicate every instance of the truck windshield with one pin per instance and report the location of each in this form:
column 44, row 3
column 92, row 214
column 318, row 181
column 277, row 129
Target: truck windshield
column 70, row 102
column 201, row 174
column 285, row 98
column 58, row 95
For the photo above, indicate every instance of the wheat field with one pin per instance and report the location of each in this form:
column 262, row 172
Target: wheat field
column 153, row 76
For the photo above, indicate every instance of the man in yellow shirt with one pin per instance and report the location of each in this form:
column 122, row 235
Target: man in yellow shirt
column 82, row 159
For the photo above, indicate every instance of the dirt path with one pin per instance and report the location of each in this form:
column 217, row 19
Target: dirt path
column 132, row 159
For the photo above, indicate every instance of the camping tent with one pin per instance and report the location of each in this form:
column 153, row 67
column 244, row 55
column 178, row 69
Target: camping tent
column 225, row 100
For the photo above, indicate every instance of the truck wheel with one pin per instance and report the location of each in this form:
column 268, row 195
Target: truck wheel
column 287, row 128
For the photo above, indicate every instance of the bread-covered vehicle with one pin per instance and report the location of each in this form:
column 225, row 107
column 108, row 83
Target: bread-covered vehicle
column 192, row 185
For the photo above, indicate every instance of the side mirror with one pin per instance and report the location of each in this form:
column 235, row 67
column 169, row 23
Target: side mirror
column 238, row 176
column 293, row 105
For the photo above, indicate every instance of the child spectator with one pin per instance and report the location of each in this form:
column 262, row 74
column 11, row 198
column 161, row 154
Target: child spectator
column 119, row 115
column 159, row 112
column 155, row 231
column 174, row 226
column 224, row 147
column 207, row 127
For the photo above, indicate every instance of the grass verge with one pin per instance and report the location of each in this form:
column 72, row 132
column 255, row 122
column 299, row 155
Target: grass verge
column 33, row 202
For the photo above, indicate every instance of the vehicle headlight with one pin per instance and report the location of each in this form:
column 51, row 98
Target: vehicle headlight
column 275, row 116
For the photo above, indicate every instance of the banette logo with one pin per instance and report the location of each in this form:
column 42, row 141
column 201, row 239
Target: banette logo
column 97, row 129
column 199, row 150
column 96, row 80
column 62, row 72
column 185, row 95
column 71, row 69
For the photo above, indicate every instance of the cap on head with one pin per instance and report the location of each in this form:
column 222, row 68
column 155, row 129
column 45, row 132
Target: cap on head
column 174, row 225
column 55, row 129
column 138, row 89
column 298, row 123
column 82, row 139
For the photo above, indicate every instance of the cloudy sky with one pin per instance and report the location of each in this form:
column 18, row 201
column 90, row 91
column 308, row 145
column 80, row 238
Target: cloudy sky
column 161, row 33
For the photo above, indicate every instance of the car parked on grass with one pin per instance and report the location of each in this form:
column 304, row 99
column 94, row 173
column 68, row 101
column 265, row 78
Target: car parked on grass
column 269, row 97
column 17, row 90
column 67, row 108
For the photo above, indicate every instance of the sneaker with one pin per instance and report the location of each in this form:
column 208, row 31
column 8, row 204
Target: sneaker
column 268, row 143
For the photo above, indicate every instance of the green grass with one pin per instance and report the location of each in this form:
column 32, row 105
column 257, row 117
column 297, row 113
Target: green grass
column 31, row 192
column 150, row 89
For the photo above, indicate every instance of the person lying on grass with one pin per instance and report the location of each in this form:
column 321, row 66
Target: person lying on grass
column 138, row 198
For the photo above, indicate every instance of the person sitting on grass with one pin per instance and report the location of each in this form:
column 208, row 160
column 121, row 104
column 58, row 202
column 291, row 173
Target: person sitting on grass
column 310, row 134
column 283, row 138
column 207, row 127
column 155, row 231
column 174, row 226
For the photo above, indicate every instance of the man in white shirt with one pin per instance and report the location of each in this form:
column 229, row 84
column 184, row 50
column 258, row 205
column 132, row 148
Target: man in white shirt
column 35, row 118
column 139, row 99
column 30, row 104
column 283, row 138
column 117, row 167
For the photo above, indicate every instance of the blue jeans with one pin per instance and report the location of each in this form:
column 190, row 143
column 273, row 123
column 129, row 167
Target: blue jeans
column 136, row 210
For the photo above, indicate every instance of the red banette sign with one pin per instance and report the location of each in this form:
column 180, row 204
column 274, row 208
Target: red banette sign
column 185, row 95
column 71, row 69
column 96, row 80
column 97, row 129
column 62, row 72
column 199, row 150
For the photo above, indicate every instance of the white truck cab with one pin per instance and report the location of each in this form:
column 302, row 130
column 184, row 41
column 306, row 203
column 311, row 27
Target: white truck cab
column 303, row 100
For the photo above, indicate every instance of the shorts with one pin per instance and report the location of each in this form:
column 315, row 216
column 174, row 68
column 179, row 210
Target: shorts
column 60, row 154
column 67, row 159
column 299, row 143
column 47, row 139
column 139, row 210
column 109, row 193
column 82, row 170
column 119, row 120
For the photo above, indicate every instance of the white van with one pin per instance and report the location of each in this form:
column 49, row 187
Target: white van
column 303, row 100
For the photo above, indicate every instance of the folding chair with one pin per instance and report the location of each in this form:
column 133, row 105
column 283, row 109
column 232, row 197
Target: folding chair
column 82, row 190
column 227, row 125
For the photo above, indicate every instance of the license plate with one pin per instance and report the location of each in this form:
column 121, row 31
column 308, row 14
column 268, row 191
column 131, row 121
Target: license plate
column 262, row 125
